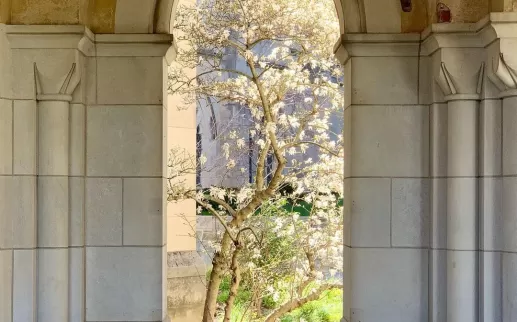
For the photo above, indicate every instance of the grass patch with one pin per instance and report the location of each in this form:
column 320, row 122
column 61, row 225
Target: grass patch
column 329, row 308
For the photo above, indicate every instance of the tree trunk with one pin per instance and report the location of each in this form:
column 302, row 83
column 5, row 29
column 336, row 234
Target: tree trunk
column 258, row 306
column 218, row 267
column 236, row 280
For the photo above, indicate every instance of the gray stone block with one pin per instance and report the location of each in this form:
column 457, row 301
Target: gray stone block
column 491, row 136
column 124, row 284
column 390, row 141
column 389, row 285
column 438, row 285
column 509, row 214
column 509, row 282
column 410, row 212
column 438, row 209
column 6, row 273
column 462, row 214
column 509, row 136
column 462, row 281
column 53, row 212
column 491, row 213
column 370, row 217
column 103, row 211
column 24, row 285
column 143, row 213
column 124, row 141
column 490, row 292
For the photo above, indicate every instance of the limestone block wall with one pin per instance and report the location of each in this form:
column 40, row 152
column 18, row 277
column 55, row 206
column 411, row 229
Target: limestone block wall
column 386, row 181
column 429, row 215
column 82, row 225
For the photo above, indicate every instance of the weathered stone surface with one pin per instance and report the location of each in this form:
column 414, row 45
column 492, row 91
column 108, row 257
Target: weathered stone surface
column 24, row 285
column 24, row 141
column 6, row 136
column 100, row 15
column 124, row 283
column 129, row 80
column 6, row 273
column 370, row 221
column 186, row 286
column 143, row 211
column 404, row 277
column 384, row 80
column 186, row 291
column 45, row 12
column 103, row 211
column 410, row 212
column 53, row 211
column 397, row 135
column 124, row 140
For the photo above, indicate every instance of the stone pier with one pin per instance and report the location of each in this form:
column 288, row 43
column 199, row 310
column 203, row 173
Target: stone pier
column 82, row 195
column 430, row 218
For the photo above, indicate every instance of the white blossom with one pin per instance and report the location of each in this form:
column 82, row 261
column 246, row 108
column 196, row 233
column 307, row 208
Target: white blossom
column 202, row 159
column 288, row 107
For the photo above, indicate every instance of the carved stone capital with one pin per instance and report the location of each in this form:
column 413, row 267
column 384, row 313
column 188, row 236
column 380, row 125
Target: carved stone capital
column 502, row 66
column 458, row 82
column 66, row 86
column 503, row 75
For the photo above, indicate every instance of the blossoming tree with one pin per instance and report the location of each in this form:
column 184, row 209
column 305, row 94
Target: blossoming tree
column 289, row 90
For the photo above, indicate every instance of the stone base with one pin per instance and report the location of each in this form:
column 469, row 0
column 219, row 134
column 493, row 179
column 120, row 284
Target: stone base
column 186, row 286
column 185, row 313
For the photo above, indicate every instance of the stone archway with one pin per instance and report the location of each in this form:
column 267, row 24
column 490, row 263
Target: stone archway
column 96, row 252
column 189, row 282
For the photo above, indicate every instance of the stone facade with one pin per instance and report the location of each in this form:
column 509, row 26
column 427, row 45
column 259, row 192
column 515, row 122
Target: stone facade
column 81, row 175
column 430, row 212
column 430, row 169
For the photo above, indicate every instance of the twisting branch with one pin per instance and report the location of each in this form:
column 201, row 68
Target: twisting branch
column 252, row 232
column 221, row 219
column 223, row 204
column 261, row 164
column 312, row 272
column 329, row 151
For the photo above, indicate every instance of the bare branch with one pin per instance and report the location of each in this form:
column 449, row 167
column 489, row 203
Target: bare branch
column 222, row 203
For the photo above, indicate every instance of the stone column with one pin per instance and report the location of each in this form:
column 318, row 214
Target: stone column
column 462, row 213
column 386, row 179
column 502, row 60
column 53, row 195
column 462, row 94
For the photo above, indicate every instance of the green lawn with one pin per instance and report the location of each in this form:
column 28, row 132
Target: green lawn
column 329, row 308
